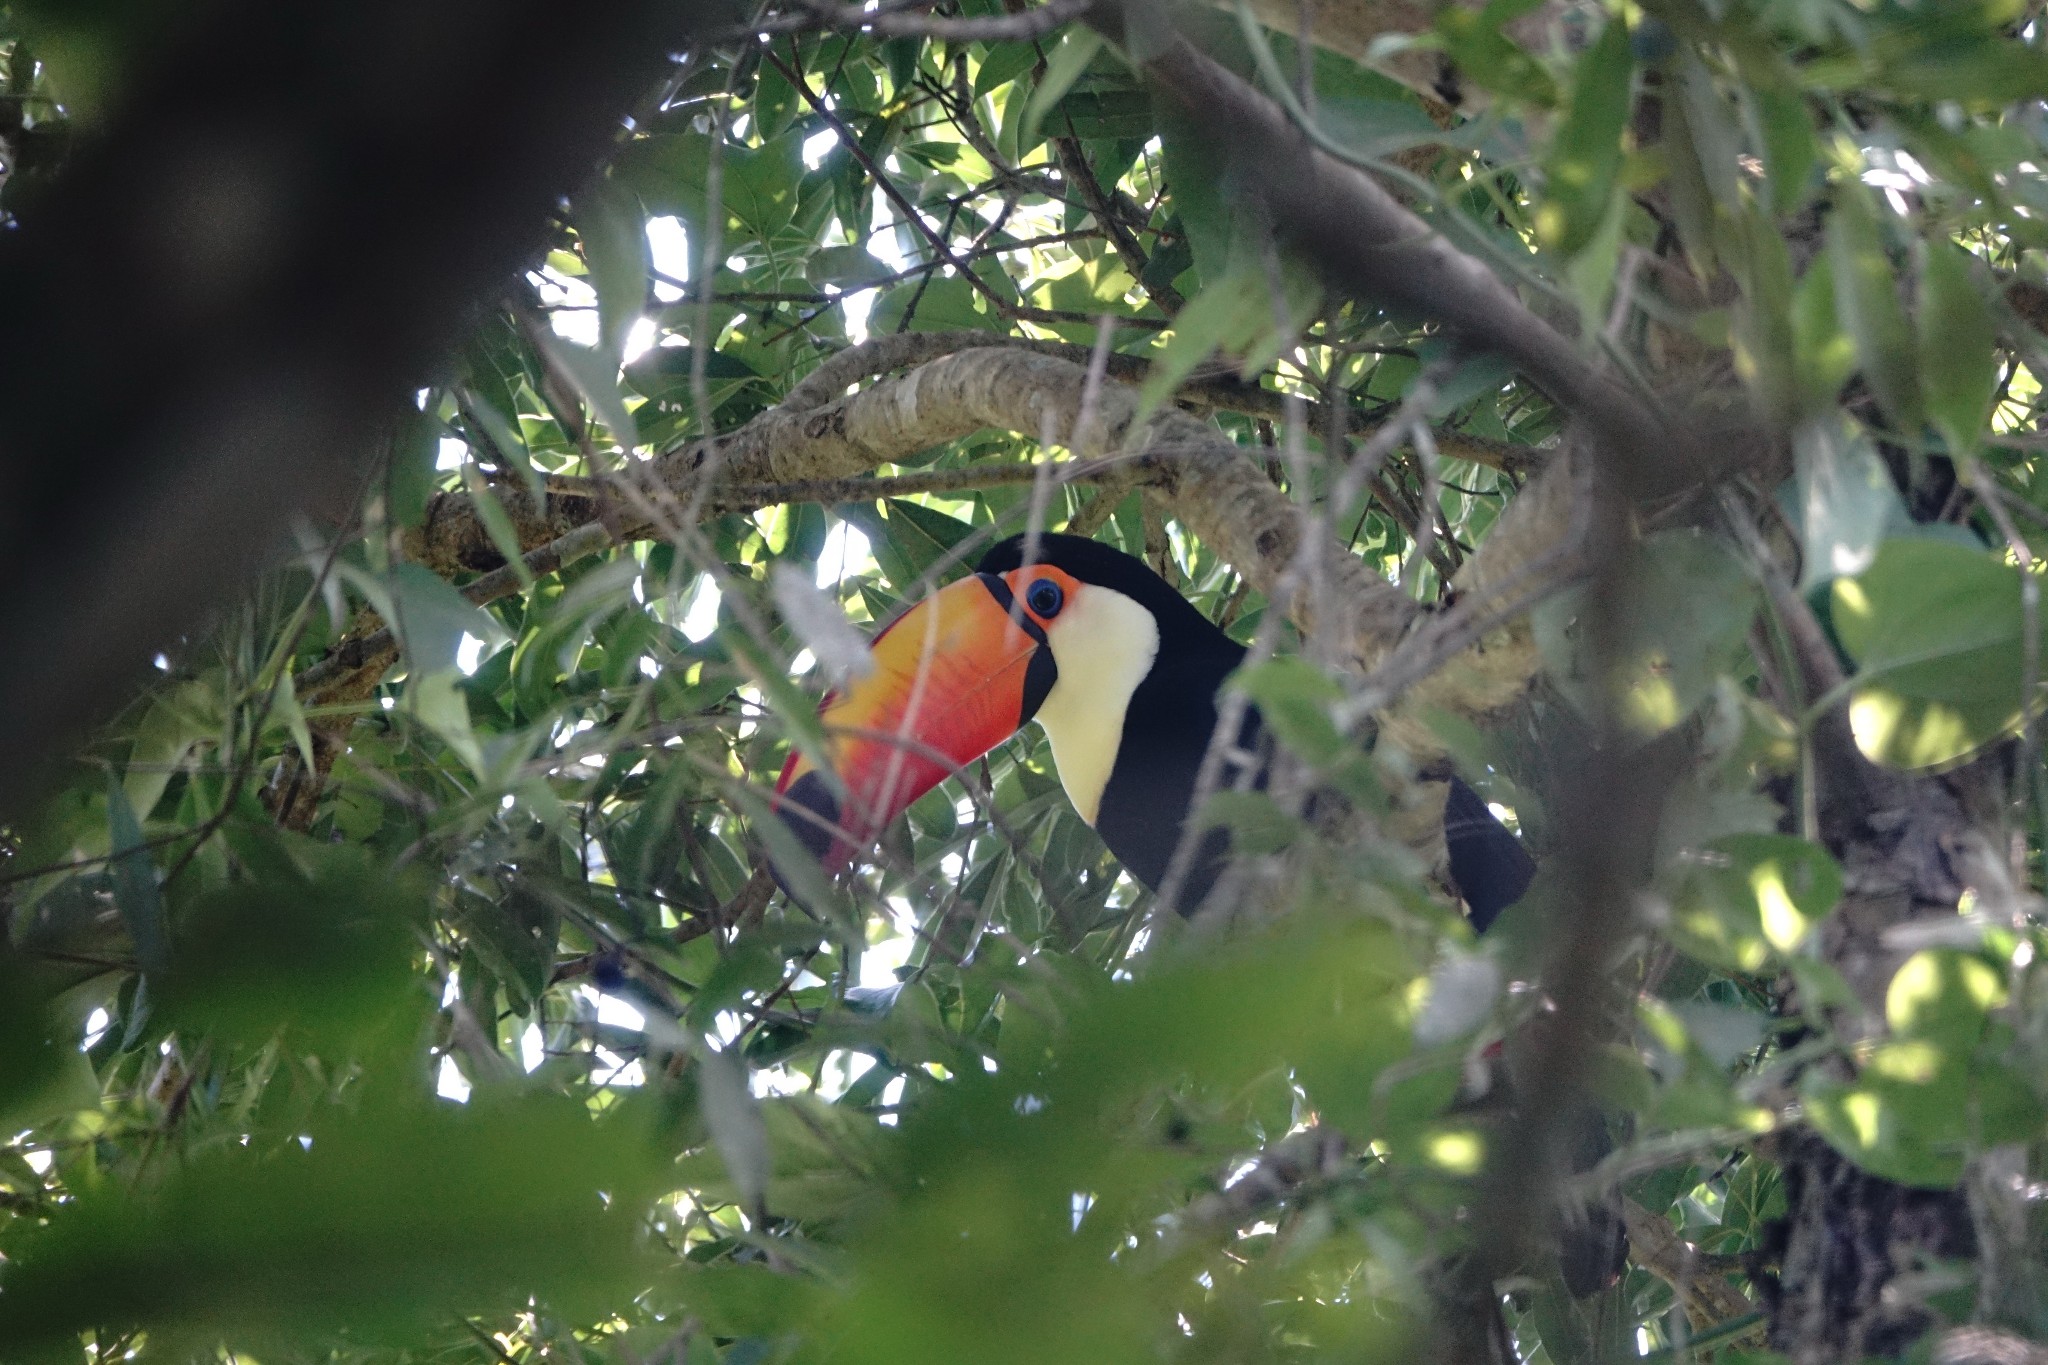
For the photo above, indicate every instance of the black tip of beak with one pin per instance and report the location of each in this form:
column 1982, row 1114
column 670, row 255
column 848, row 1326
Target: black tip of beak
column 812, row 813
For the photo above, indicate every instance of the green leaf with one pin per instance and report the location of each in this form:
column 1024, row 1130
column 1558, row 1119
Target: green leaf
column 1944, row 996
column 1882, row 1131
column 136, row 893
column 1476, row 42
column 671, row 174
column 1846, row 500
column 1255, row 821
column 1296, row 699
column 613, row 230
column 438, row 702
column 1783, row 125
column 1823, row 354
column 594, row 374
column 285, row 701
column 430, row 616
column 498, row 526
column 362, row 1234
column 776, row 101
column 1763, row 333
column 328, row 958
column 949, row 303
column 1077, row 48
column 1003, row 63
column 1958, row 347
column 507, row 440
column 734, row 1118
column 920, row 536
column 1693, row 604
column 176, row 721
column 1199, row 170
column 846, row 266
column 415, row 452
column 1751, row 896
column 760, row 184
column 1867, row 301
column 1585, row 152
column 1935, row 629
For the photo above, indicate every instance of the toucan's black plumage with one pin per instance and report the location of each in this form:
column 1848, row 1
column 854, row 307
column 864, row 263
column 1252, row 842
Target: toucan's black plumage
column 1167, row 729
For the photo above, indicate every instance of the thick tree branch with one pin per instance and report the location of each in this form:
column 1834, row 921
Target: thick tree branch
column 1210, row 388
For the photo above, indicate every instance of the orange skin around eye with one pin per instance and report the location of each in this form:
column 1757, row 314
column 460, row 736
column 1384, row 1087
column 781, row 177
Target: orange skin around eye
column 948, row 686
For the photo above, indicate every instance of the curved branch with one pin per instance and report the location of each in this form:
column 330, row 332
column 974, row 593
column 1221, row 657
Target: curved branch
column 1209, row 484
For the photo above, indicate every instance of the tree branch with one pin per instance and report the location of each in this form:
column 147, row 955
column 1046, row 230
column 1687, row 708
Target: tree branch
column 1364, row 242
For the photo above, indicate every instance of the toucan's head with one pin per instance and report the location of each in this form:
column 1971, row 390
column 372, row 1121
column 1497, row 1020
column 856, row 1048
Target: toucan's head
column 1065, row 640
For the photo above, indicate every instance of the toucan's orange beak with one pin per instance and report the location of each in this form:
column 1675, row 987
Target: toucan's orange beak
column 954, row 676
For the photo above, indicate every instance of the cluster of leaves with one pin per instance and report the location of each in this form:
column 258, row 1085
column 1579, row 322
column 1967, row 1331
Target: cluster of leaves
column 511, row 1052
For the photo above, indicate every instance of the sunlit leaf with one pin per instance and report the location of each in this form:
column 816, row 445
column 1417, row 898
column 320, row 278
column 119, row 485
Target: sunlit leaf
column 1936, row 630
column 1585, row 152
column 1958, row 363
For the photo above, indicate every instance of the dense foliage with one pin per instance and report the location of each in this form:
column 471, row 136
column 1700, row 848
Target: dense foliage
column 456, row 1016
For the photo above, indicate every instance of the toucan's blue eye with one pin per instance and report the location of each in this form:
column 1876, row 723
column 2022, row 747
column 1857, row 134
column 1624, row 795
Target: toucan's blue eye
column 1045, row 598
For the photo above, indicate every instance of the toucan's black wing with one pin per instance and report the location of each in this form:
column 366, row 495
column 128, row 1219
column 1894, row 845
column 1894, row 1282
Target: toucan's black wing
column 1488, row 863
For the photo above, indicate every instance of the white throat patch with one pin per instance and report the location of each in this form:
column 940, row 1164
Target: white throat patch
column 1104, row 644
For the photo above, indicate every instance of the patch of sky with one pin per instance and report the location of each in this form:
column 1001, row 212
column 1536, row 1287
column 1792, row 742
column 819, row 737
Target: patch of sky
column 617, row 1070
column 639, row 341
column 668, row 245
column 770, row 1081
column 702, row 617
column 817, row 147
column 726, row 1027
column 846, row 551
column 879, row 963
column 614, row 1012
column 575, row 302
column 469, row 654
column 451, row 1084
column 892, row 1095
column 451, row 454
column 839, row 1070
column 883, row 243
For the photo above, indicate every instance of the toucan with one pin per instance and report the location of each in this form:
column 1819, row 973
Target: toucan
column 1123, row 674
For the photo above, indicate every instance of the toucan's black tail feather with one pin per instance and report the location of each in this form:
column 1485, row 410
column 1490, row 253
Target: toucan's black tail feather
column 1488, row 863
